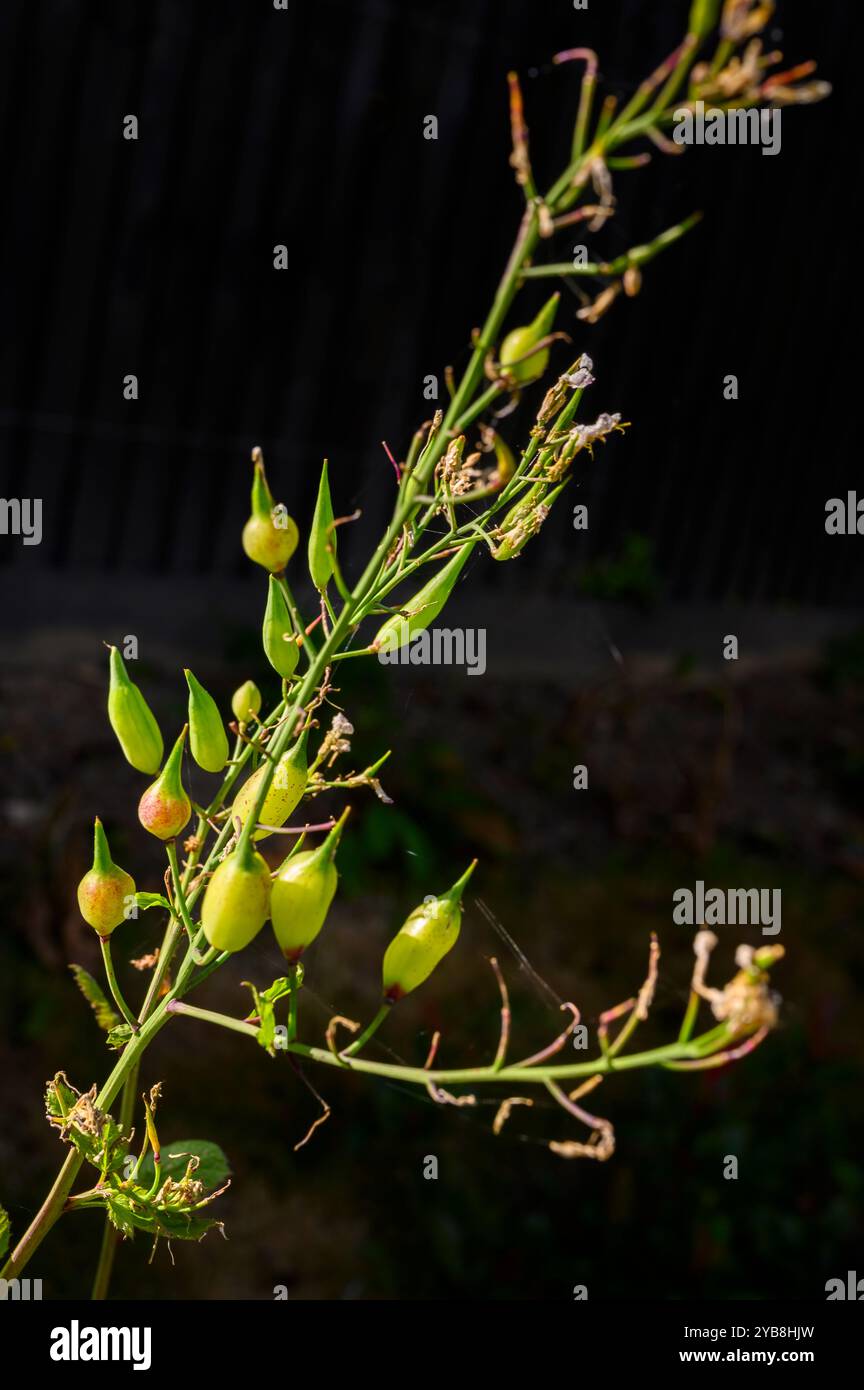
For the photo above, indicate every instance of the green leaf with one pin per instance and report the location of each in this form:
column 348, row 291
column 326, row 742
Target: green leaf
column 105, row 1015
column 176, row 1211
column 264, row 1009
column 213, row 1167
column 119, row 1036
column 129, row 1213
column 4, row 1232
column 145, row 900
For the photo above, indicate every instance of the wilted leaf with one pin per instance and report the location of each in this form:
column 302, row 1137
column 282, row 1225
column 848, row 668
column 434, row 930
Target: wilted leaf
column 81, row 1123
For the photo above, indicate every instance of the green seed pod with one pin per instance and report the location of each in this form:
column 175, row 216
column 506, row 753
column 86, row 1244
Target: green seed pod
column 703, row 17
column 237, row 900
column 164, row 809
column 423, row 940
column 424, row 607
column 516, row 356
column 302, row 893
column 266, row 542
column 283, row 794
column 207, row 737
column 245, row 702
column 132, row 719
column 103, row 890
column 322, row 537
column 280, row 646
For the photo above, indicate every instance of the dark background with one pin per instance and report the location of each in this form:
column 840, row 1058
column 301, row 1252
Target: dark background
column 155, row 257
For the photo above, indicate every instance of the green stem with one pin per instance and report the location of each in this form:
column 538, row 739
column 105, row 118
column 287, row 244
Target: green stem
column 180, row 900
column 637, row 255
column 512, row 1076
column 102, row 1278
column 309, row 644
column 523, row 249
column 49, row 1212
column 292, row 1006
column 689, row 1017
column 116, row 994
column 367, row 1033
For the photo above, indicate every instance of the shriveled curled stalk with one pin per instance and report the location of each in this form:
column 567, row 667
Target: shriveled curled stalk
column 449, row 503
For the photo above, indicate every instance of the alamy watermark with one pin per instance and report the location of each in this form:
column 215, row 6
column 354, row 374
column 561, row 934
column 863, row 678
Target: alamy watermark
column 20, row 1290
column 849, row 1288
column 77, row 1343
column 741, row 125
column 728, row 907
column 440, row 646
column 22, row 516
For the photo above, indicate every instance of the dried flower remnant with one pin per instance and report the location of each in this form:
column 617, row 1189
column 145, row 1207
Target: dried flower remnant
column 336, row 741
column 745, row 1004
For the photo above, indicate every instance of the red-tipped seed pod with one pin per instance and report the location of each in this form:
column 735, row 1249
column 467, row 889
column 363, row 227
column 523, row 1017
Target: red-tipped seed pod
column 165, row 809
column 104, row 889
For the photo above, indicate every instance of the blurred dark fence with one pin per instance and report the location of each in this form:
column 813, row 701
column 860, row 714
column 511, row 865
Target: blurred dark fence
column 304, row 127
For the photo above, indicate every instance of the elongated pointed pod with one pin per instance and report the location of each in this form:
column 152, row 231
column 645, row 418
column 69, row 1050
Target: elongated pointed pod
column 246, row 702
column 423, row 940
column 516, row 357
column 423, row 608
column 283, row 794
column 704, row 15
column 165, row 809
column 322, row 537
column 103, row 890
column 270, row 535
column 302, row 893
column 132, row 719
column 237, row 900
column 277, row 634
column 207, row 737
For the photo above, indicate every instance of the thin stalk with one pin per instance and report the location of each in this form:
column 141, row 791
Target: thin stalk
column 367, row 1033
column 637, row 255
column 513, row 1075
column 523, row 249
column 113, row 985
column 586, row 101
column 309, row 645
column 689, row 1017
column 292, row 1006
column 105, row 1265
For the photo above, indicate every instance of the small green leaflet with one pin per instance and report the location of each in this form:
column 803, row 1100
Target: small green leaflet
column 105, row 1015
column 145, row 900
column 119, row 1036
column 265, row 1001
